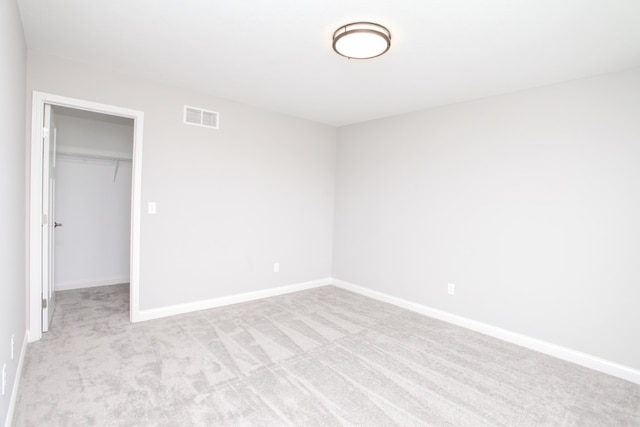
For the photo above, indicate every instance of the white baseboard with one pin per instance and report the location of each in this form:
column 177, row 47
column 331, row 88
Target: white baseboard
column 156, row 313
column 16, row 383
column 564, row 353
column 91, row 283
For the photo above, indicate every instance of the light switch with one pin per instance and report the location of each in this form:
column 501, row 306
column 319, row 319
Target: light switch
column 151, row 208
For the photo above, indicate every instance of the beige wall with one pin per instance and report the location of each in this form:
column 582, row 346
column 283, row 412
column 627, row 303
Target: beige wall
column 529, row 203
column 231, row 202
column 12, row 193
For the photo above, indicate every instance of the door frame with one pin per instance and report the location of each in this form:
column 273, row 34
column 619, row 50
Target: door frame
column 35, row 202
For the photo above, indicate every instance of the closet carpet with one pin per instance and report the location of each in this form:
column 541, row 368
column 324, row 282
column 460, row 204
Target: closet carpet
column 322, row 357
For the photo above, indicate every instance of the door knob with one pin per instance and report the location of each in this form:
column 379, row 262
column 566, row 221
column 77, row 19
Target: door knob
column 57, row 224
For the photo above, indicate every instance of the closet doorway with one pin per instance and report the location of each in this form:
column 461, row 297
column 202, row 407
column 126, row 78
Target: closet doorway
column 85, row 201
column 93, row 164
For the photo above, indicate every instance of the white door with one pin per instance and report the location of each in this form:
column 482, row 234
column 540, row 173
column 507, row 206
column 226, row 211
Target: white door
column 48, row 219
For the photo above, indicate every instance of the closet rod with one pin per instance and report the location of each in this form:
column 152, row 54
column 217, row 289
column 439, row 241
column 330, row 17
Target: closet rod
column 92, row 156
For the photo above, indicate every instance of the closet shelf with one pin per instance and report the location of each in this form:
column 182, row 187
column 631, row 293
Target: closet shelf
column 100, row 157
column 92, row 156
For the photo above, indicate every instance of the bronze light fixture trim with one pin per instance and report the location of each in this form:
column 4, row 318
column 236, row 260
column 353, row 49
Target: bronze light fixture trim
column 361, row 40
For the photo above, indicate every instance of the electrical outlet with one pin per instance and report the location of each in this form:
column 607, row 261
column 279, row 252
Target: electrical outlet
column 451, row 289
column 4, row 378
column 13, row 346
column 276, row 267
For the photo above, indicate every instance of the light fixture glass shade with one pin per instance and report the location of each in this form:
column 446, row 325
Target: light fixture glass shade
column 361, row 40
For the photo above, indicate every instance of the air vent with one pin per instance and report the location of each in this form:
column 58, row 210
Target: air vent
column 200, row 117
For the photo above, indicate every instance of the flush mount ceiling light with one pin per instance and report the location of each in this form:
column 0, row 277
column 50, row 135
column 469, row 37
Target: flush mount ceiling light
column 361, row 40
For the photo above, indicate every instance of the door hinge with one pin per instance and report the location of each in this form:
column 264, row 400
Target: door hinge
column 44, row 303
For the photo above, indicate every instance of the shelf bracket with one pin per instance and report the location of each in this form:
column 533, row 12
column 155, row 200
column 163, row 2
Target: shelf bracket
column 115, row 172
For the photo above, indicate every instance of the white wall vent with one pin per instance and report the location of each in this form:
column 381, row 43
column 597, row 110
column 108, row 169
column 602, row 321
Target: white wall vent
column 199, row 117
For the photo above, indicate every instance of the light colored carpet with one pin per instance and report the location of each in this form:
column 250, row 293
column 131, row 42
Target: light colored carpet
column 319, row 357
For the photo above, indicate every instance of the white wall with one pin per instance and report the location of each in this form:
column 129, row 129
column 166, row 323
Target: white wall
column 89, row 132
column 528, row 202
column 92, row 246
column 12, row 193
column 231, row 202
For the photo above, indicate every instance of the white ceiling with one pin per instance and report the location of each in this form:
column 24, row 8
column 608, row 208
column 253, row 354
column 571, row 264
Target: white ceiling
column 276, row 54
